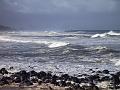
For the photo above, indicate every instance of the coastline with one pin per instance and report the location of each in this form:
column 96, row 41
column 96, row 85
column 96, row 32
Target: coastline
column 32, row 80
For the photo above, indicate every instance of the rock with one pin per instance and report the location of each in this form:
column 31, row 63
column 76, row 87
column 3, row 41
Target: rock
column 105, row 71
column 48, row 75
column 3, row 71
column 65, row 76
column 62, row 83
column 17, row 80
column 99, row 72
column 54, row 80
column 75, row 79
column 32, row 73
column 28, row 83
column 41, row 75
column 105, row 78
column 24, row 75
column 11, row 68
column 118, row 73
column 68, row 83
column 34, row 79
column 76, row 86
column 115, row 81
column 93, row 78
column 39, row 81
column 4, row 81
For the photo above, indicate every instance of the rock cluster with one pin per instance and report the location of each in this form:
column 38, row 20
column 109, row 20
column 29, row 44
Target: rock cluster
column 96, row 81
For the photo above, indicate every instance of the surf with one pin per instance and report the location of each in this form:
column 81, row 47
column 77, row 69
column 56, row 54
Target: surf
column 106, row 34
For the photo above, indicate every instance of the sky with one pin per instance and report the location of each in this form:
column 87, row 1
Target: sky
column 61, row 14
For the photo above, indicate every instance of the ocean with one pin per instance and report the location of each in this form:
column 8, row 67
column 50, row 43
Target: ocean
column 72, row 52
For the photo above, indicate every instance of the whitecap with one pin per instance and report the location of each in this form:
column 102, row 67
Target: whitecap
column 57, row 44
column 103, row 35
column 116, row 61
column 99, row 35
column 50, row 43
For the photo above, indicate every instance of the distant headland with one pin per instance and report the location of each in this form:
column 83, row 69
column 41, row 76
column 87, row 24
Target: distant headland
column 7, row 28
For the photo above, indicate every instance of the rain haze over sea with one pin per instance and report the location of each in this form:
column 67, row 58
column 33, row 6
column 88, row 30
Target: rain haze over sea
column 62, row 36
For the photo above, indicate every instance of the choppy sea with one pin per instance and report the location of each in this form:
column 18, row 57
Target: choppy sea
column 71, row 52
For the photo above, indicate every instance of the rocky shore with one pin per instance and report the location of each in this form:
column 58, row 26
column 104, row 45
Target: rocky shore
column 32, row 80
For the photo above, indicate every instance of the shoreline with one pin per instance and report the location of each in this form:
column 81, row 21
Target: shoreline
column 32, row 80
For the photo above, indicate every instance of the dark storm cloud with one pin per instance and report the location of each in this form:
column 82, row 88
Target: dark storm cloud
column 76, row 14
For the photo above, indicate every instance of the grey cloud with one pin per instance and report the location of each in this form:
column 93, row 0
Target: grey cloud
column 75, row 14
column 59, row 6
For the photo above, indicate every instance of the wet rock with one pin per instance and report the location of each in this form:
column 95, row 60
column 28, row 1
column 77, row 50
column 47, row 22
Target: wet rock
column 93, row 78
column 40, row 81
column 105, row 78
column 4, row 81
column 118, row 73
column 62, row 83
column 32, row 73
column 54, row 80
column 41, row 75
column 34, row 79
column 11, row 68
column 99, row 72
column 75, row 79
column 76, row 86
column 17, row 80
column 48, row 75
column 3, row 71
column 105, row 71
column 68, row 83
column 115, row 81
column 24, row 75
column 65, row 76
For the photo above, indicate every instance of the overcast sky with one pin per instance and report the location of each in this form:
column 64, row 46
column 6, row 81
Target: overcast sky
column 60, row 14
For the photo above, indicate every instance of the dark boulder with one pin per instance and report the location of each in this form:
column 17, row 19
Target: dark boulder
column 4, row 81
column 24, row 75
column 65, row 76
column 105, row 78
column 32, row 73
column 48, row 75
column 105, row 71
column 3, row 71
column 75, row 79
column 41, row 75
column 17, row 80
column 115, row 81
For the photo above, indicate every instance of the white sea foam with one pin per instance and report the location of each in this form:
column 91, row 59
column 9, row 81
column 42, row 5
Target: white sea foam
column 51, row 44
column 99, row 35
column 57, row 44
column 103, row 35
column 116, row 62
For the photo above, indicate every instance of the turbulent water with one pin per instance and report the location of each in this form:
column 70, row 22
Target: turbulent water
column 71, row 52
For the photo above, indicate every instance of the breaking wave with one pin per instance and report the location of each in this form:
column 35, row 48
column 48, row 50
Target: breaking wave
column 103, row 35
column 51, row 44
